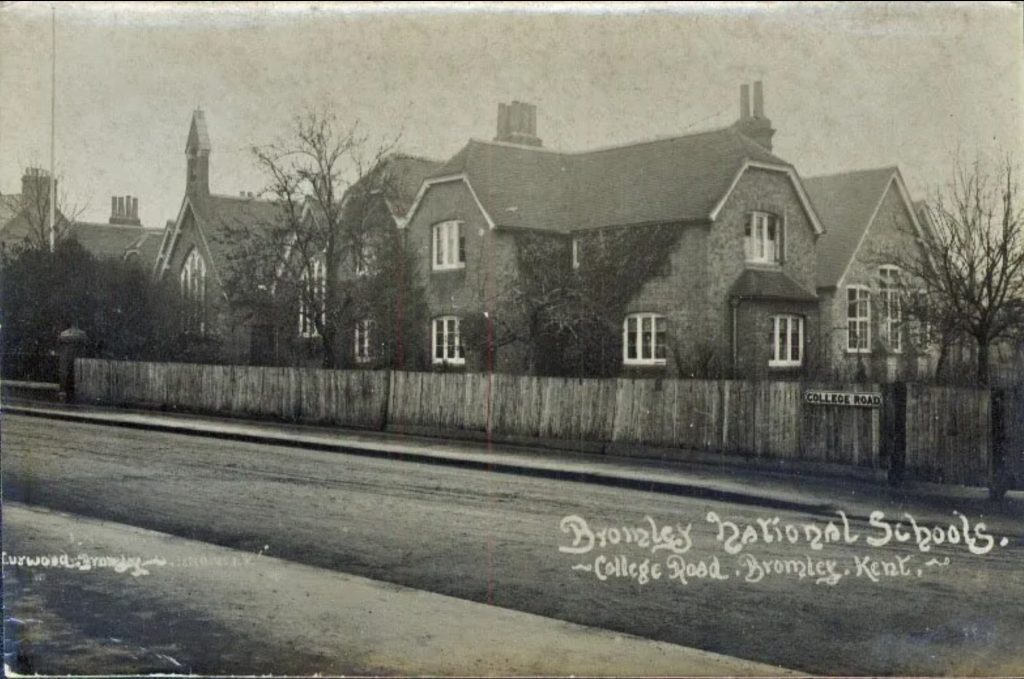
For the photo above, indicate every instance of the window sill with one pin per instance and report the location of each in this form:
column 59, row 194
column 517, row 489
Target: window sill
column 657, row 363
column 447, row 269
column 858, row 352
column 753, row 264
column 454, row 362
column 785, row 364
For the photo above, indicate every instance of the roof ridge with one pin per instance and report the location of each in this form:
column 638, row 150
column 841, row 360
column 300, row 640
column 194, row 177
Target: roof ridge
column 847, row 173
column 412, row 156
column 609, row 147
column 241, row 198
column 136, row 227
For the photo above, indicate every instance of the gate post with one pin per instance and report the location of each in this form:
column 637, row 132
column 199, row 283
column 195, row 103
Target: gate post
column 999, row 479
column 70, row 344
column 897, row 425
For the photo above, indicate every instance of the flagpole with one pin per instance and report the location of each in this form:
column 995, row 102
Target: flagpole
column 53, row 126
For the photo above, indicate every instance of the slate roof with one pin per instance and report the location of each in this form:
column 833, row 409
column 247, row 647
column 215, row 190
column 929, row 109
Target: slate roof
column 147, row 246
column 663, row 180
column 769, row 284
column 409, row 172
column 846, row 203
column 218, row 215
column 106, row 240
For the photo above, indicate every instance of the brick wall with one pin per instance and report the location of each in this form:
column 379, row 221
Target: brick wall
column 478, row 287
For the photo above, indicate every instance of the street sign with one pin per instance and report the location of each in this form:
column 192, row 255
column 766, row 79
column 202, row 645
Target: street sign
column 855, row 399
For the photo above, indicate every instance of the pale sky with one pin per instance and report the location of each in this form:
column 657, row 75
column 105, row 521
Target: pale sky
column 847, row 87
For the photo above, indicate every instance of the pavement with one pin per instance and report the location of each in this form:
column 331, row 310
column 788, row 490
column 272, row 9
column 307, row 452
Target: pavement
column 726, row 478
column 363, row 626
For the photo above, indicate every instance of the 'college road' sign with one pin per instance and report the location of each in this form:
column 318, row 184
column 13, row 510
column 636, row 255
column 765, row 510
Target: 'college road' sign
column 843, row 398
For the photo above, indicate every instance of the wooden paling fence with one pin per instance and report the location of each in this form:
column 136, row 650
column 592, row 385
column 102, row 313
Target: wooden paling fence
column 351, row 398
column 948, row 431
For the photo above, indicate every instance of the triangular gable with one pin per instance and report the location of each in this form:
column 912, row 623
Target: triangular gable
column 794, row 179
column 896, row 179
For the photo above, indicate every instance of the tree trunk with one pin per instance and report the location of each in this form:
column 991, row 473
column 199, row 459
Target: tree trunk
column 330, row 359
column 983, row 363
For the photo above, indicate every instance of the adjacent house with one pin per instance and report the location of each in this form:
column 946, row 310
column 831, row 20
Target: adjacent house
column 120, row 236
column 736, row 284
column 25, row 220
column 25, row 216
column 871, row 220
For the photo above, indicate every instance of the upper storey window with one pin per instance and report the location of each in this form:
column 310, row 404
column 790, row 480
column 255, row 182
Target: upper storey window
column 449, row 246
column 763, row 238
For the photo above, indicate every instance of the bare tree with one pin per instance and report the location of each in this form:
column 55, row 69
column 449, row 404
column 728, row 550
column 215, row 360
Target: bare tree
column 969, row 270
column 331, row 186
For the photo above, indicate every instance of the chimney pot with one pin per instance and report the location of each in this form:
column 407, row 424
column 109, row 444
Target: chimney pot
column 135, row 208
column 744, row 102
column 113, row 206
column 758, row 100
column 517, row 124
column 120, row 206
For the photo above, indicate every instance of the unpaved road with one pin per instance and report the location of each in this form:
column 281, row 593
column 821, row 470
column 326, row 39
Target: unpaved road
column 495, row 538
column 213, row 610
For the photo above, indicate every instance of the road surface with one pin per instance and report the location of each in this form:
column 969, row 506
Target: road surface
column 496, row 538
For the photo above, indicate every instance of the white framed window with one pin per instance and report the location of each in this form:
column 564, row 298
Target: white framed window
column 449, row 246
column 361, row 341
column 193, row 291
column 762, row 243
column 575, row 253
column 858, row 319
column 787, row 342
column 312, row 296
column 891, row 313
column 643, row 339
column 446, row 341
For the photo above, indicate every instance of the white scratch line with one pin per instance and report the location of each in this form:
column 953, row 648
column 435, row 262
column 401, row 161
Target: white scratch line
column 583, row 567
column 167, row 657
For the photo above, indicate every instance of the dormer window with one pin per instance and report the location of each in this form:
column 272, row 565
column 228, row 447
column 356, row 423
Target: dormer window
column 763, row 238
column 449, row 246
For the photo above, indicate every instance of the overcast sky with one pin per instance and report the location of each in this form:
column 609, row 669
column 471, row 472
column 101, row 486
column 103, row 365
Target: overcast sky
column 846, row 87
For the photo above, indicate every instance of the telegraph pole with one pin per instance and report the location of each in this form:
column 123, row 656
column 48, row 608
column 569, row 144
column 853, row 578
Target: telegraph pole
column 53, row 127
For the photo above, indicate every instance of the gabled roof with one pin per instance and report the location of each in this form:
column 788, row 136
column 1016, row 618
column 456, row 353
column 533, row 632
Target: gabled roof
column 106, row 240
column 220, row 214
column 847, row 202
column 769, row 284
column 673, row 179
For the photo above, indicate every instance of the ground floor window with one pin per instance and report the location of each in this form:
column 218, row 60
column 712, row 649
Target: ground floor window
column 643, row 339
column 787, row 341
column 447, row 341
column 361, row 341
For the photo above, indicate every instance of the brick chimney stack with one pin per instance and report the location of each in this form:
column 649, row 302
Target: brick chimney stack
column 35, row 185
column 517, row 124
column 755, row 125
column 124, row 210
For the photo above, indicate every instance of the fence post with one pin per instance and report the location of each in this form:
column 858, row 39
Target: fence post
column 897, row 422
column 999, row 481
